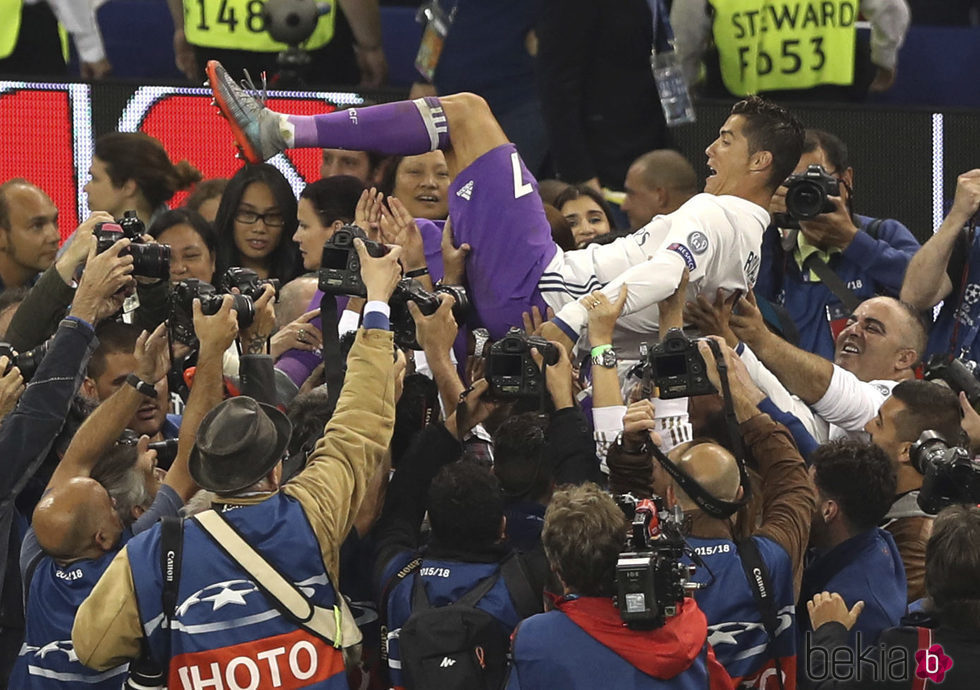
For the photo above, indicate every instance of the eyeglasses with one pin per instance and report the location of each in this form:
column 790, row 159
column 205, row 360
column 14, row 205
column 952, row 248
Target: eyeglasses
column 272, row 219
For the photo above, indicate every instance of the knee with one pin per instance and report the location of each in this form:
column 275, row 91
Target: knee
column 465, row 109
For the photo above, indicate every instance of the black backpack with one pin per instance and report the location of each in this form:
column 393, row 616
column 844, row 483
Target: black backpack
column 458, row 646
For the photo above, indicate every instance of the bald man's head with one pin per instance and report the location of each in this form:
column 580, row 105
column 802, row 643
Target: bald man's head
column 294, row 297
column 711, row 466
column 657, row 182
column 884, row 339
column 76, row 520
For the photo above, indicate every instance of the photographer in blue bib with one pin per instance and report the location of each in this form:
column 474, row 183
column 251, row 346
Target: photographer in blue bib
column 820, row 259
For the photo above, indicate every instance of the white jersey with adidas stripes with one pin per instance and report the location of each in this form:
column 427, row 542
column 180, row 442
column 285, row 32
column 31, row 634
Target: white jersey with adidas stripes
column 718, row 238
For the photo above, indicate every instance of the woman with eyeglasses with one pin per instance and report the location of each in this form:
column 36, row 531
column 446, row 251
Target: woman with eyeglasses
column 255, row 224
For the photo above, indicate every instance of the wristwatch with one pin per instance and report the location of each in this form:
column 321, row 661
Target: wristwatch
column 604, row 356
column 142, row 386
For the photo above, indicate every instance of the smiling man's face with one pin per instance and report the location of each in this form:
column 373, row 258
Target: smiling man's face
column 876, row 344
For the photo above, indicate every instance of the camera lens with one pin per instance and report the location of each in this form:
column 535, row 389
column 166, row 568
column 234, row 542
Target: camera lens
column 805, row 200
column 151, row 260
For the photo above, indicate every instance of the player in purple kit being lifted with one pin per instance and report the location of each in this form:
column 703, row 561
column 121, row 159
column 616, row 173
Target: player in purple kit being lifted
column 495, row 208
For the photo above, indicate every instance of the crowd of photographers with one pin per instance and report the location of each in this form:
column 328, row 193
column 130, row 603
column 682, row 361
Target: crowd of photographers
column 377, row 491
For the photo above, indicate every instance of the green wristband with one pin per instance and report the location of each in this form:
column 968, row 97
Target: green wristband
column 599, row 349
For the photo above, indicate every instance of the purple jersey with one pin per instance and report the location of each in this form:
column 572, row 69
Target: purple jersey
column 494, row 207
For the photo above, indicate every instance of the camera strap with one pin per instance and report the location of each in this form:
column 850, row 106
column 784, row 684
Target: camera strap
column 757, row 575
column 831, row 280
column 333, row 361
column 715, row 507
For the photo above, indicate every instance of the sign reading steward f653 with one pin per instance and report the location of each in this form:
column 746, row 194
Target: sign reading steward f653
column 773, row 45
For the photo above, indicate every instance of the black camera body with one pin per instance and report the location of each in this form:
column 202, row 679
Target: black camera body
column 28, row 362
column 807, row 196
column 150, row 260
column 340, row 267
column 960, row 375
column 248, row 283
column 651, row 578
column 181, row 309
column 949, row 473
column 411, row 290
column 677, row 368
column 510, row 369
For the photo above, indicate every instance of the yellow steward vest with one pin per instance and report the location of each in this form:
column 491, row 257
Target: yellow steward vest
column 239, row 25
column 9, row 26
column 775, row 45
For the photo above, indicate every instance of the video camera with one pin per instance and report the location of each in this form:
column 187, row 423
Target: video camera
column 510, row 369
column 150, row 260
column 959, row 374
column 340, row 274
column 180, row 321
column 651, row 578
column 675, row 366
column 807, row 196
column 950, row 474
column 248, row 283
column 28, row 362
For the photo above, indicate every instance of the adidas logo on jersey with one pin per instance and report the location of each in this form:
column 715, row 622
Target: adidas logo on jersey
column 447, row 662
column 466, row 191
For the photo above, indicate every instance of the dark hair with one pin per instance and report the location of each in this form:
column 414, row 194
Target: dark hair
column 113, row 337
column 284, row 261
column 953, row 566
column 832, row 146
column 205, row 190
column 334, row 198
column 928, row 405
column 576, row 191
column 918, row 326
column 4, row 204
column 859, row 476
column 583, row 533
column 387, row 184
column 118, row 472
column 185, row 216
column 520, row 458
column 309, row 414
column 465, row 507
column 139, row 157
column 561, row 230
column 770, row 127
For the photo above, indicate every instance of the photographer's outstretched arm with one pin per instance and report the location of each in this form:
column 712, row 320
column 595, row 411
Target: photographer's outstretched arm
column 39, row 314
column 788, row 500
column 436, row 334
column 215, row 333
column 926, row 281
column 804, row 374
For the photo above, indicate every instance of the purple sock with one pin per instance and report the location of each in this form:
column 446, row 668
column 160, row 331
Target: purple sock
column 405, row 127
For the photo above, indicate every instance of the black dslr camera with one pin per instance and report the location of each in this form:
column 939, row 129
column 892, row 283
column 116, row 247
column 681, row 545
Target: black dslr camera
column 180, row 321
column 340, row 267
column 950, row 474
column 411, row 290
column 27, row 362
column 675, row 366
column 651, row 578
column 340, row 274
column 959, row 374
column 806, row 196
column 511, row 370
column 150, row 260
column 248, row 282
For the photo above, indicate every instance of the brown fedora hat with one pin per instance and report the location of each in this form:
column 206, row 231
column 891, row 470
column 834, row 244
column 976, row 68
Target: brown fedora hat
column 238, row 443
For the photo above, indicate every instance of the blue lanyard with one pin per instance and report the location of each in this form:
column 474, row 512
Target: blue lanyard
column 663, row 34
